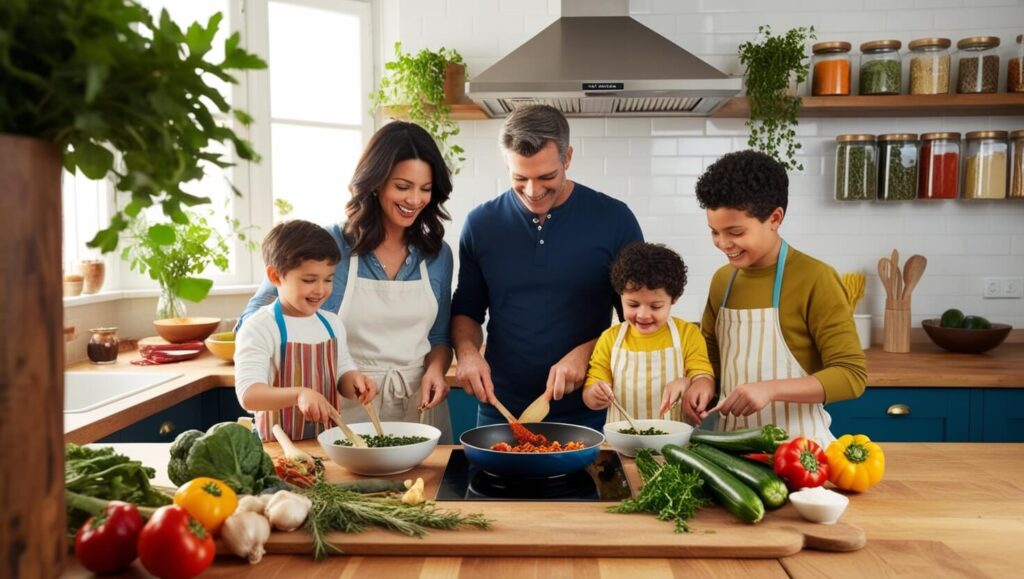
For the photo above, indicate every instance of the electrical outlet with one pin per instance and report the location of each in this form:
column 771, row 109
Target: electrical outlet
column 992, row 288
column 1003, row 288
column 1011, row 287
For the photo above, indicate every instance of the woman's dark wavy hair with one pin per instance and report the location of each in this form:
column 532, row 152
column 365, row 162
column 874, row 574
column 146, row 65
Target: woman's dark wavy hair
column 745, row 180
column 395, row 142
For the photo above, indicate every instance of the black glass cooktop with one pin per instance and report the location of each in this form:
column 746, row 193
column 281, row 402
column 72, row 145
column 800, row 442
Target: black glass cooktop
column 603, row 480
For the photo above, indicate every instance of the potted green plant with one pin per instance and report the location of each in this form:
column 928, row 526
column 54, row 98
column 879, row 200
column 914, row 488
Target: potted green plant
column 174, row 255
column 101, row 87
column 773, row 64
column 414, row 88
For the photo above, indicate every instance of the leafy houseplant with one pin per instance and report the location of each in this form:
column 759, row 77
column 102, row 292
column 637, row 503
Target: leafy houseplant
column 174, row 254
column 99, row 77
column 418, row 82
column 771, row 63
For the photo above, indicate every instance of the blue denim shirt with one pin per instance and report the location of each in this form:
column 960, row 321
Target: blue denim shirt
column 439, row 270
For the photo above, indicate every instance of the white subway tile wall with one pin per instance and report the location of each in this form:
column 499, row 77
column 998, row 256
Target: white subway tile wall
column 653, row 164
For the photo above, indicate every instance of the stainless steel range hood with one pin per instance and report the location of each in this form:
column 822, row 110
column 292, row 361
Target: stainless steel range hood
column 596, row 61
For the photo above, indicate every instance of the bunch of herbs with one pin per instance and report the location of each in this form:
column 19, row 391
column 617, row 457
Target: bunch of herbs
column 667, row 492
column 101, row 473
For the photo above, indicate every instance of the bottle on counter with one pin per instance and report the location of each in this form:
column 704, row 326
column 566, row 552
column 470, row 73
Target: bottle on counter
column 929, row 66
column 856, row 168
column 1015, row 69
column 1016, row 165
column 880, row 67
column 940, row 166
column 830, row 71
column 103, row 346
column 986, row 167
column 897, row 167
column 979, row 65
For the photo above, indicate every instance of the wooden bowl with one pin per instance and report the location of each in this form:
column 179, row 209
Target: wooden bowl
column 176, row 330
column 222, row 345
column 965, row 340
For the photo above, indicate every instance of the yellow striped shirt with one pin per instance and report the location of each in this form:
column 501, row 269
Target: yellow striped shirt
column 695, row 351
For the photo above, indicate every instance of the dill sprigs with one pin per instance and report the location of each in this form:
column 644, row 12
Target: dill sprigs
column 667, row 492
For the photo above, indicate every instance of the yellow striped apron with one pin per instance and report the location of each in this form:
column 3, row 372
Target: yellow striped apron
column 639, row 378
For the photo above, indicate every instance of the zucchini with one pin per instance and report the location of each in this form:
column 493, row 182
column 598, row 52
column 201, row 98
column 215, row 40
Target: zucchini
column 768, row 485
column 764, row 439
column 731, row 493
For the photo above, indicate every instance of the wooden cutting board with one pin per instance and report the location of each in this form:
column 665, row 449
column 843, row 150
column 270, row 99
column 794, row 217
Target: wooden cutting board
column 553, row 529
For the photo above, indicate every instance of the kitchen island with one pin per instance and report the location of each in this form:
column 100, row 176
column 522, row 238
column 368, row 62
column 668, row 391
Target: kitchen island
column 942, row 510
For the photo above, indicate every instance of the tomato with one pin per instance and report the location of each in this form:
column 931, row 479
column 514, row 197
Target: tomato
column 173, row 545
column 106, row 542
column 209, row 500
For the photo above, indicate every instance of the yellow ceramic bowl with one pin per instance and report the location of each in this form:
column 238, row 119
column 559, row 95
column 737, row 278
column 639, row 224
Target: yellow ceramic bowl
column 222, row 345
column 177, row 330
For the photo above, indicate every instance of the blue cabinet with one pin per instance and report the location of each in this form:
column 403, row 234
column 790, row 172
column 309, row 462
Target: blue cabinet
column 199, row 412
column 906, row 415
column 1002, row 415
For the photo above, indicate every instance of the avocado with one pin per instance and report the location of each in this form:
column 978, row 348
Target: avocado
column 952, row 318
column 975, row 323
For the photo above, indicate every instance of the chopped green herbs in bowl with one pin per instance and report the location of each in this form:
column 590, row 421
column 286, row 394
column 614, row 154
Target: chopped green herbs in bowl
column 384, row 440
column 642, row 432
column 650, row 433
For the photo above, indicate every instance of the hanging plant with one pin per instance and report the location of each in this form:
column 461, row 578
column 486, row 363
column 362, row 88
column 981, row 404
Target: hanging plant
column 417, row 82
column 772, row 63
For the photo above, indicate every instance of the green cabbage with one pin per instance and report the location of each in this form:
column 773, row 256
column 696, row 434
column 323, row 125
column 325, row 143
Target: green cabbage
column 228, row 452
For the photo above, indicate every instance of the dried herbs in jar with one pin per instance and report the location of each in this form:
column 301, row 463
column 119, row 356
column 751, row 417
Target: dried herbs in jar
column 897, row 167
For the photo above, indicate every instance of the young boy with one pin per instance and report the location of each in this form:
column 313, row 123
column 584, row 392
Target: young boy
column 648, row 361
column 291, row 359
column 777, row 323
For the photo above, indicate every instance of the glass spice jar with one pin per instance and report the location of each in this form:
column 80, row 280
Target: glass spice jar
column 985, row 169
column 1016, row 165
column 1015, row 69
column 897, row 167
column 103, row 345
column 830, row 70
column 856, row 168
column 880, row 67
column 929, row 66
column 979, row 65
column 940, row 166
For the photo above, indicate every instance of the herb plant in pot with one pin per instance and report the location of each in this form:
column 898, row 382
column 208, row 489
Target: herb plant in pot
column 415, row 88
column 85, row 83
column 771, row 64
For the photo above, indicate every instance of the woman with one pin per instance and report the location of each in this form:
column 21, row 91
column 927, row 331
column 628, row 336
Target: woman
column 393, row 283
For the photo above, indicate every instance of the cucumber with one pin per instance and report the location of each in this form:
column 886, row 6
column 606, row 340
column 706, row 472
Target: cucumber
column 731, row 493
column 768, row 485
column 764, row 439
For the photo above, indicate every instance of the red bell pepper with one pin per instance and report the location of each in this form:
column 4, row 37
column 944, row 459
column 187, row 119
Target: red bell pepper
column 106, row 542
column 802, row 463
column 761, row 457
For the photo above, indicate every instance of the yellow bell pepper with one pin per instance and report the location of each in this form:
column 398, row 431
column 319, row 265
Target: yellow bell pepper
column 855, row 463
column 208, row 500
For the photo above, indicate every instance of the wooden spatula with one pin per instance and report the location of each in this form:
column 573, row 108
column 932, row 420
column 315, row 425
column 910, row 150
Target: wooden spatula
column 504, row 411
column 352, row 437
column 373, row 418
column 912, row 272
column 538, row 410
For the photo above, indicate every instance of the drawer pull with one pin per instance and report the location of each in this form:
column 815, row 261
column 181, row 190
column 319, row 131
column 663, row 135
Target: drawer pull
column 167, row 428
column 898, row 410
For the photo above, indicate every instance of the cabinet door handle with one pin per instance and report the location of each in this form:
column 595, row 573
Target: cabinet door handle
column 898, row 410
column 167, row 428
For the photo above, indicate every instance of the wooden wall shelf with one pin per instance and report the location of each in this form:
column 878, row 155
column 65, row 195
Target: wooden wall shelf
column 460, row 112
column 953, row 105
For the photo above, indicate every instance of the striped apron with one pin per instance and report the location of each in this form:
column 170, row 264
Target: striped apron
column 752, row 349
column 639, row 378
column 302, row 366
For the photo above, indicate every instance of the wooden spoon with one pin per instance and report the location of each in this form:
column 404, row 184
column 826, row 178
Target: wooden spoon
column 373, row 418
column 538, row 410
column 621, row 410
column 504, row 411
column 884, row 269
column 896, row 275
column 352, row 437
column 913, row 270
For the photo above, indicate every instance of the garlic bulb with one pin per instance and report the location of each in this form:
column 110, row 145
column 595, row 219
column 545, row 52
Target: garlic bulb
column 414, row 495
column 245, row 533
column 252, row 504
column 287, row 510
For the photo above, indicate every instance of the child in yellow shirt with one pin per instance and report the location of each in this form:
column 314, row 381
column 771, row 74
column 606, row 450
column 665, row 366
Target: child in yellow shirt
column 648, row 361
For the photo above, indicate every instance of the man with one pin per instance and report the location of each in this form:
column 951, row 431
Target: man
column 535, row 261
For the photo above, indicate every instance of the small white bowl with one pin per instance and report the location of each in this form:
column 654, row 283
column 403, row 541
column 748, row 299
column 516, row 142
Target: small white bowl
column 678, row 433
column 819, row 505
column 380, row 461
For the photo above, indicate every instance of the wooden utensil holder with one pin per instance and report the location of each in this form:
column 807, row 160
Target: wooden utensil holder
column 897, row 326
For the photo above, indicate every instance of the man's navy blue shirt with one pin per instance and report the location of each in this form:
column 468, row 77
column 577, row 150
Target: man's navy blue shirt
column 544, row 287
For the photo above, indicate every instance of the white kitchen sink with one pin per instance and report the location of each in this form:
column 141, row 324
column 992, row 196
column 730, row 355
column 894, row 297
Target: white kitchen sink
column 85, row 391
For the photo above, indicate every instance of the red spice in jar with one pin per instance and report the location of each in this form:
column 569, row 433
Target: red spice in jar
column 939, row 174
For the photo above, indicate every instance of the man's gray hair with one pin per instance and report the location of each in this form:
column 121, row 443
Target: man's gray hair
column 528, row 129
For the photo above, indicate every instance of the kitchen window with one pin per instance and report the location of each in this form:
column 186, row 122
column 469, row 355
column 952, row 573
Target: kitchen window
column 311, row 122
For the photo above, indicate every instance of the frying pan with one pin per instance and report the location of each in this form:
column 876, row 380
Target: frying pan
column 476, row 443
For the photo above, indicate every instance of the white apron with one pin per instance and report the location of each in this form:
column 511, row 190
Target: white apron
column 639, row 378
column 387, row 323
column 752, row 349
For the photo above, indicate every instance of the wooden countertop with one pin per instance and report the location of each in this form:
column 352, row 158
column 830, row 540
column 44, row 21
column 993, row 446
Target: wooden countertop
column 930, row 365
column 942, row 509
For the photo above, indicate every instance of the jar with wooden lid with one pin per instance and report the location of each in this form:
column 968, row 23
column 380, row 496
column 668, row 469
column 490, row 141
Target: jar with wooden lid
column 856, row 168
column 939, row 173
column 1015, row 69
column 979, row 65
column 830, row 71
column 929, row 65
column 103, row 346
column 1016, row 165
column 986, row 166
column 880, row 67
column 897, row 167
